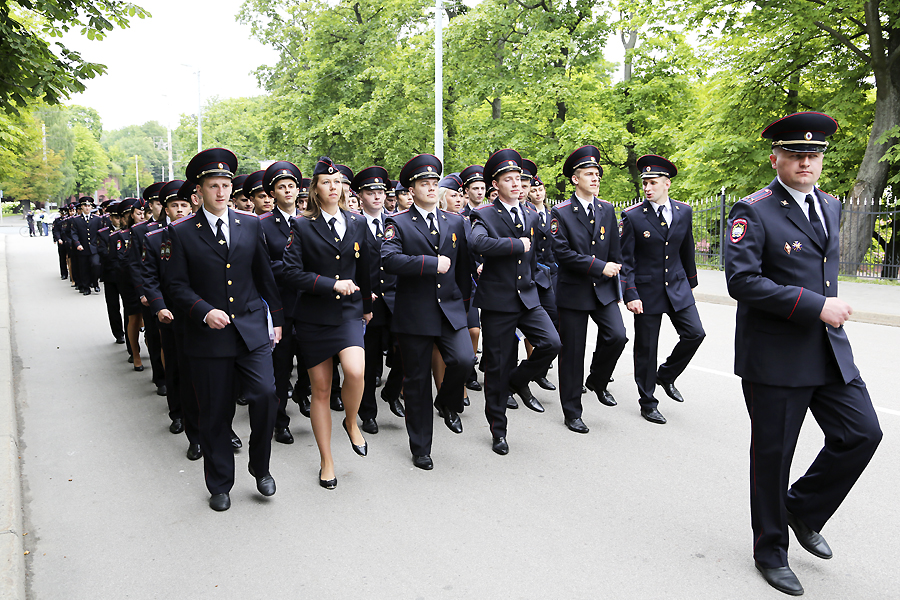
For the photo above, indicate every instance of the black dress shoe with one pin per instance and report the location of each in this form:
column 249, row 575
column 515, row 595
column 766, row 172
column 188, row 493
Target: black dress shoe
column 423, row 462
column 466, row 401
column 511, row 402
column 653, row 415
column 397, row 407
column 584, row 389
column 337, row 404
column 240, row 401
column 782, row 579
column 194, row 452
column 97, row 288
column 606, row 398
column 377, row 381
column 500, row 446
column 120, row 340
column 161, row 390
column 577, row 425
column 220, row 502
column 528, row 398
column 370, row 426
column 361, row 450
column 177, row 425
column 811, row 540
column 139, row 368
column 283, row 436
column 545, row 384
column 264, row 484
column 87, row 292
column 290, row 392
column 130, row 358
column 304, row 406
column 473, row 385
column 235, row 441
column 328, row 484
column 451, row 419
column 670, row 390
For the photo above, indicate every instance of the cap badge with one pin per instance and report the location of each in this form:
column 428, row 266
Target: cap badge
column 330, row 169
column 377, row 180
column 512, row 163
column 428, row 168
column 593, row 159
column 808, row 135
column 284, row 171
column 647, row 169
column 221, row 166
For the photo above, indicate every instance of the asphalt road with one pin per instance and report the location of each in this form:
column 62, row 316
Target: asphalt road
column 632, row 510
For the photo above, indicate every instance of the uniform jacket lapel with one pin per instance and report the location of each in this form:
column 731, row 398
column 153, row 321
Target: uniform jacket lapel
column 598, row 217
column 832, row 218
column 234, row 230
column 423, row 228
column 322, row 228
column 507, row 219
column 581, row 214
column 795, row 214
column 209, row 236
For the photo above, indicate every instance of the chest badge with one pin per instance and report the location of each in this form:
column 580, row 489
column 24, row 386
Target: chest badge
column 646, row 234
column 787, row 247
column 453, row 237
column 356, row 248
column 796, row 246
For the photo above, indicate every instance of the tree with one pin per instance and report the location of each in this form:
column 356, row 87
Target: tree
column 31, row 175
column 89, row 160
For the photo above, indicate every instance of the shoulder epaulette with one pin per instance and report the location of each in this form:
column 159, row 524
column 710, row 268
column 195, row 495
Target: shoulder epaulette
column 604, row 201
column 450, row 213
column 183, row 219
column 680, row 202
column 757, row 196
column 155, row 231
column 397, row 214
column 245, row 212
column 102, row 229
column 562, row 204
column 632, row 207
column 827, row 195
column 485, row 205
column 261, row 217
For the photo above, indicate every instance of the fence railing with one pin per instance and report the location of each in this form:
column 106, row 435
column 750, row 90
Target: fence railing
column 870, row 235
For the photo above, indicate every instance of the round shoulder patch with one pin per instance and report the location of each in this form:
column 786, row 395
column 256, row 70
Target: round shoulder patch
column 554, row 226
column 119, row 245
column 738, row 229
column 389, row 232
column 290, row 240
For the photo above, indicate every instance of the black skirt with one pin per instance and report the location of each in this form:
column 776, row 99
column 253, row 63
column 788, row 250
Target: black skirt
column 320, row 342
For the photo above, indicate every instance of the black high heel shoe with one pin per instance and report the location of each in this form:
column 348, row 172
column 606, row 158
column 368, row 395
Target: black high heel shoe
column 328, row 484
column 139, row 368
column 361, row 450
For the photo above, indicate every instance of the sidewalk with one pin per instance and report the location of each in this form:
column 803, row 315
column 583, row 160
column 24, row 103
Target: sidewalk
column 871, row 302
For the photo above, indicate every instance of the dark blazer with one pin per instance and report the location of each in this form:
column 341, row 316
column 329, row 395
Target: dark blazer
column 423, row 294
column 277, row 230
column 658, row 262
column 56, row 229
column 582, row 250
column 780, row 275
column 153, row 263
column 547, row 266
column 384, row 284
column 236, row 278
column 314, row 262
column 103, row 249
column 507, row 275
column 84, row 233
column 136, row 253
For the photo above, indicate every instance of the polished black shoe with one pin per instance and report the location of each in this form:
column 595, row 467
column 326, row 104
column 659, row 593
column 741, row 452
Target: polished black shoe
column 290, row 392
column 304, row 406
column 130, row 358
column 120, row 340
column 451, row 419
column 161, row 390
column 577, row 425
column 653, row 415
column 670, row 390
column 194, row 452
column 284, row 436
column 177, row 425
column 423, row 462
column 500, row 446
column 328, row 484
column 811, row 540
column 139, row 368
column 397, row 407
column 220, row 502
column 782, row 579
column 511, row 402
column 235, row 441
column 97, row 288
column 466, row 401
column 240, row 401
column 87, row 292
column 528, row 398
column 606, row 398
column 361, row 450
column 473, row 385
column 370, row 426
column 265, row 483
column 377, row 381
column 545, row 384
column 584, row 389
column 337, row 404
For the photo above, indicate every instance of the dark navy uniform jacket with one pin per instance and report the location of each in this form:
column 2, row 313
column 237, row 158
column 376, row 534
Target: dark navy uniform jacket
column 314, row 262
column 547, row 266
column 582, row 250
column 136, row 253
column 423, row 294
column 658, row 262
column 153, row 263
column 507, row 276
column 84, row 233
column 384, row 284
column 780, row 275
column 235, row 278
column 277, row 230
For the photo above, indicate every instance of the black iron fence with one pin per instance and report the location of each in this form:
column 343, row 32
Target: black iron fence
column 870, row 240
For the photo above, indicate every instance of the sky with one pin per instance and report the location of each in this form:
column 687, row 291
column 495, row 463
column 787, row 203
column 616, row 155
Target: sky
column 145, row 79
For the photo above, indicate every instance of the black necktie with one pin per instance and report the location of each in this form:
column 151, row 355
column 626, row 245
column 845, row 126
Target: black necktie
column 590, row 211
column 815, row 221
column 515, row 216
column 331, row 223
column 431, row 225
column 377, row 227
column 542, row 219
column 219, row 235
column 659, row 213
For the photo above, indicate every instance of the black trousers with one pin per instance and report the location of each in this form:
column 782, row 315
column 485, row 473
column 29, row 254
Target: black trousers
column 63, row 267
column 852, row 433
column 190, row 407
column 111, row 295
column 611, row 341
column 393, row 385
column 375, row 345
column 283, row 364
column 500, row 345
column 455, row 347
column 213, row 379
column 151, row 337
column 646, row 345
column 88, row 270
column 76, row 270
column 173, row 372
column 548, row 301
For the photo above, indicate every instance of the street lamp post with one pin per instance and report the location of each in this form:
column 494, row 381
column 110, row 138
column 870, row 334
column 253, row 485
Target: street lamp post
column 438, row 82
column 137, row 178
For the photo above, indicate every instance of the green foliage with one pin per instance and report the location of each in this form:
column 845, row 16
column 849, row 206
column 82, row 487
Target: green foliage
column 148, row 143
column 29, row 175
column 89, row 161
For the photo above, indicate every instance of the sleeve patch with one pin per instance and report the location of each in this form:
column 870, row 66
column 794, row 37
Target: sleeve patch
column 738, row 229
column 389, row 232
column 554, row 226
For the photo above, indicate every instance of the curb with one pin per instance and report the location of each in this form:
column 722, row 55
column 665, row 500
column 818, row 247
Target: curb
column 12, row 563
column 857, row 317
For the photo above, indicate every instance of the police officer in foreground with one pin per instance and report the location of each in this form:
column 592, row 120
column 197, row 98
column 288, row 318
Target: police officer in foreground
column 791, row 350
column 659, row 272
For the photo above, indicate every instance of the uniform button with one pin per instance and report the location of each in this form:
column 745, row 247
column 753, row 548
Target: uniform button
column 520, row 277
column 826, row 259
column 595, row 284
column 667, row 243
column 337, row 257
column 667, row 257
column 229, row 282
column 520, row 291
column 667, row 283
column 382, row 268
column 439, row 286
column 593, row 242
column 520, row 262
column 337, row 276
column 382, row 281
column 338, row 297
column 228, row 265
column 439, row 300
column 231, row 299
column 667, row 270
column 232, row 316
column 827, row 284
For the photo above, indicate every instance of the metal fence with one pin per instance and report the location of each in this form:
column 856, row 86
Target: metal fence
column 870, row 240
